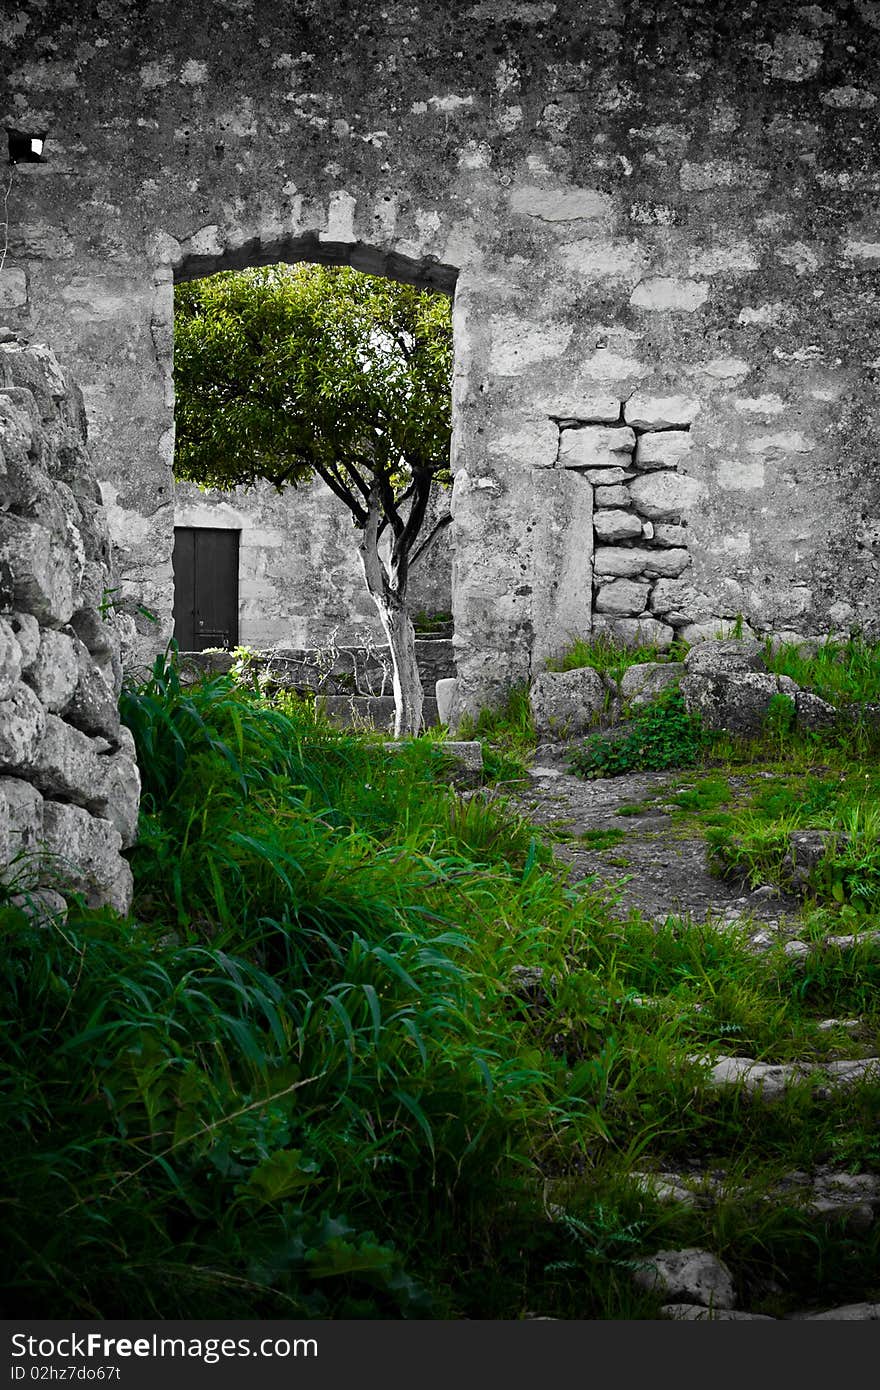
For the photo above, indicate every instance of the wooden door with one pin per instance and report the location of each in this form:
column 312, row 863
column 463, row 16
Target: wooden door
column 205, row 588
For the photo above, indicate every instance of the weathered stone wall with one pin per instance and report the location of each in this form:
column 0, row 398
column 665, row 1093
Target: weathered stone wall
column 69, row 786
column 673, row 200
column 300, row 579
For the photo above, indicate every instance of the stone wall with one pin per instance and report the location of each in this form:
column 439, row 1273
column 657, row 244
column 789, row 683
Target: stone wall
column 69, row 786
column 628, row 197
column 300, row 579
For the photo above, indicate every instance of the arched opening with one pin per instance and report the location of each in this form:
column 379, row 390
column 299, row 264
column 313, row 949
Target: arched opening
column 271, row 550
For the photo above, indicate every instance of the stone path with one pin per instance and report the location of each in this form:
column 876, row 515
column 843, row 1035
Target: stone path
column 660, row 872
column 655, row 870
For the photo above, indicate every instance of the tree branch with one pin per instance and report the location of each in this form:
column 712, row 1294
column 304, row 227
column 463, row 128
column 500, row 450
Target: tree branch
column 422, row 480
column 435, row 531
column 342, row 492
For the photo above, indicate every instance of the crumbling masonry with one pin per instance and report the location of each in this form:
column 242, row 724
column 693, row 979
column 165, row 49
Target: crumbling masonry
column 69, row 785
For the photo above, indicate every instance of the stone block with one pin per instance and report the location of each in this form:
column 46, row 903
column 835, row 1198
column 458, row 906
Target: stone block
column 44, row 571
column 667, row 293
column 35, row 368
column 641, row 684
column 22, row 721
column 642, row 631
column 53, row 675
column 707, row 630
column 92, row 705
column 565, row 703
column 10, row 660
column 615, row 525
column 627, row 561
column 614, row 496
column 662, row 495
column 596, row 446
column 736, row 703
column 846, row 1312
column 117, row 792
column 42, row 905
column 665, row 533
column 371, row 711
column 444, row 693
column 694, row 1312
column 83, row 856
column 21, row 817
column 646, row 412
column 561, row 519
column 806, row 850
column 725, row 657
column 26, row 631
column 566, row 204
column 623, row 597
column 606, row 476
column 814, row 713
column 692, row 1276
column 570, row 405
column 678, row 601
column 662, row 449
column 64, row 762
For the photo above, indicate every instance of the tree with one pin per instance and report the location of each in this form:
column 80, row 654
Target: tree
column 287, row 372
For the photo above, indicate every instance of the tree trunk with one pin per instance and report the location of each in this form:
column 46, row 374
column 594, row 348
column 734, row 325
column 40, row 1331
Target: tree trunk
column 407, row 682
column 390, row 600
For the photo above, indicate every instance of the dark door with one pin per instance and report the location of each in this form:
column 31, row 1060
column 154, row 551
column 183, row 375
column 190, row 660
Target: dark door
column 205, row 588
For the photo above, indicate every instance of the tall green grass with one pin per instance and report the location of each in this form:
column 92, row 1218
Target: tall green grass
column 294, row 1077
column 609, row 657
column 302, row 1080
column 843, row 671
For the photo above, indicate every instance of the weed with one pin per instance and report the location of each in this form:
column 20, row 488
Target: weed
column 659, row 735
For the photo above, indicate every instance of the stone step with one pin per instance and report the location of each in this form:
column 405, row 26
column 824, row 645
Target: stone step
column 827, row 1195
column 769, row 1080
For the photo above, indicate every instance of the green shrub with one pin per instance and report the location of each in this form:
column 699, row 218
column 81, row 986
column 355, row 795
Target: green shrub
column 659, row 735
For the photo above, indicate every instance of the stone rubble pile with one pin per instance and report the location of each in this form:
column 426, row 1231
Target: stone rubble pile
column 723, row 680
column 69, row 784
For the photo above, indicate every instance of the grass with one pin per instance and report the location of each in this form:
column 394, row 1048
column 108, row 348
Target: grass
column 610, row 657
column 300, row 1080
column 842, row 671
column 507, row 733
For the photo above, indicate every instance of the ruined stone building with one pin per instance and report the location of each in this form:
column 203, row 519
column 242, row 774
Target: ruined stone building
column 659, row 222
